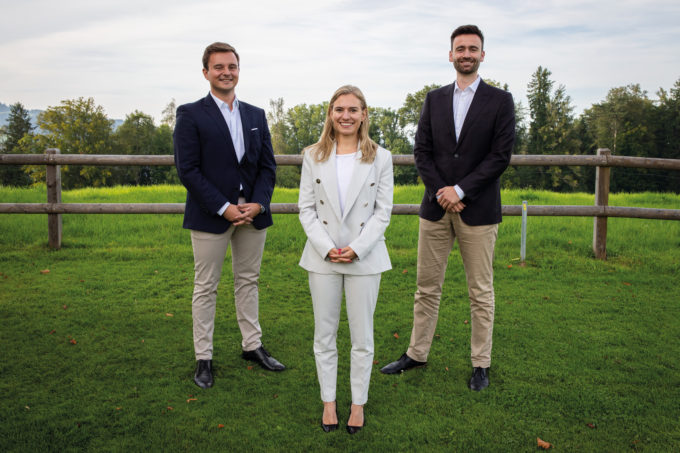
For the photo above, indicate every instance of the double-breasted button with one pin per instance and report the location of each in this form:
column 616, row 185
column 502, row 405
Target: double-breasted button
column 365, row 204
column 318, row 181
column 362, row 224
column 455, row 155
column 325, row 223
column 321, row 201
column 372, row 184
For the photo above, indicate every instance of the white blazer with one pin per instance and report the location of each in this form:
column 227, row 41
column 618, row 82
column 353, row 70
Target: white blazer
column 368, row 206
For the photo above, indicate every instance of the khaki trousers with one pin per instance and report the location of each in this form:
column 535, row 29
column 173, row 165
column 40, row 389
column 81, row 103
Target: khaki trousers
column 361, row 295
column 476, row 243
column 247, row 245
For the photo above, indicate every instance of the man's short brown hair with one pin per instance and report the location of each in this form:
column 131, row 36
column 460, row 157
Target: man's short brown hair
column 467, row 30
column 218, row 47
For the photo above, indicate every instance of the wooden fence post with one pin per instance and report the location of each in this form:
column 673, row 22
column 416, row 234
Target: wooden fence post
column 53, row 173
column 602, row 177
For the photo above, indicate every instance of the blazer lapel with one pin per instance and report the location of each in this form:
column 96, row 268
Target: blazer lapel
column 214, row 112
column 478, row 101
column 244, row 111
column 359, row 174
column 448, row 112
column 329, row 180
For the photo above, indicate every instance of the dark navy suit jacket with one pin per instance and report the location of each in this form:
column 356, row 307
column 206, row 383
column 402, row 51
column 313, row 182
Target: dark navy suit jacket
column 208, row 167
column 475, row 161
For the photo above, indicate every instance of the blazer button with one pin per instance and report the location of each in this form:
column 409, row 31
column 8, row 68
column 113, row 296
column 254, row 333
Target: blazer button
column 325, row 223
column 321, row 201
column 372, row 184
column 365, row 204
column 455, row 155
column 362, row 224
column 318, row 181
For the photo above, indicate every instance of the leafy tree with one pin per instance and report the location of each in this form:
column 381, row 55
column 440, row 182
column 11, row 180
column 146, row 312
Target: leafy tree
column 409, row 113
column 136, row 137
column 168, row 113
column 624, row 123
column 385, row 130
column 18, row 125
column 668, row 133
column 76, row 126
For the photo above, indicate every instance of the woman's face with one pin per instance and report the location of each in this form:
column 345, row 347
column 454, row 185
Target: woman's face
column 347, row 115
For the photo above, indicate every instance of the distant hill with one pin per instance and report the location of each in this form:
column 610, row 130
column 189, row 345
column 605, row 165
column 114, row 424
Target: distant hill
column 4, row 116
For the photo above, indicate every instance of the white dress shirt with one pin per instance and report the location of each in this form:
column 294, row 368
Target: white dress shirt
column 461, row 104
column 233, row 119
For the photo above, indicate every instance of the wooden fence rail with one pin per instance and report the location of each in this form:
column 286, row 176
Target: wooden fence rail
column 54, row 208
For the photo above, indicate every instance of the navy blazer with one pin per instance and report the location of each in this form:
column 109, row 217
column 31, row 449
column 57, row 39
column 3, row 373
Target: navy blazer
column 208, row 167
column 475, row 161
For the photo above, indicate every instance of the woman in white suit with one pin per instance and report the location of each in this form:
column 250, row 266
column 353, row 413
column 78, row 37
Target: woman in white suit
column 345, row 206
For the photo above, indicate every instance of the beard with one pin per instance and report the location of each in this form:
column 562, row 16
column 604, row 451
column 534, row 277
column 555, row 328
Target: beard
column 458, row 64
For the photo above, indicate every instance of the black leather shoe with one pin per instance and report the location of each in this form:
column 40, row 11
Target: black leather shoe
column 404, row 363
column 354, row 429
column 479, row 379
column 203, row 376
column 264, row 359
column 328, row 428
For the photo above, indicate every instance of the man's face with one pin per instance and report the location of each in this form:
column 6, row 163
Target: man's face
column 222, row 72
column 466, row 53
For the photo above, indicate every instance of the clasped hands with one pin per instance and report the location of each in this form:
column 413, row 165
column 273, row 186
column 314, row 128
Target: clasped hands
column 343, row 255
column 447, row 197
column 241, row 214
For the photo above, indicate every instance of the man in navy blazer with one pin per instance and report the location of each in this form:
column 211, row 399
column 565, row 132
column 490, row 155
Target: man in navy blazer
column 462, row 146
column 224, row 158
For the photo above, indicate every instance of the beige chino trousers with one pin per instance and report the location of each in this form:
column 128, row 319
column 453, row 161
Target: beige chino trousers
column 247, row 245
column 476, row 244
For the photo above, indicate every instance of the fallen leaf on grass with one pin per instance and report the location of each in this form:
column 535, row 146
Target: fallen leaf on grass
column 27, row 408
column 170, row 408
column 250, row 367
column 405, row 271
column 543, row 444
column 396, row 335
column 191, row 399
column 275, row 396
column 447, row 368
column 375, row 362
column 118, row 408
column 220, row 426
column 73, row 341
column 169, row 315
column 590, row 425
column 45, row 271
column 466, row 322
column 509, row 266
column 52, row 331
column 65, row 307
column 625, row 283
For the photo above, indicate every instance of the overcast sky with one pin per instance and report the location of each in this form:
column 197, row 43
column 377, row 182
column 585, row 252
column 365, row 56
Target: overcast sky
column 138, row 55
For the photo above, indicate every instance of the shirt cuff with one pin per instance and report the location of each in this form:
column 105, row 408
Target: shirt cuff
column 459, row 191
column 223, row 208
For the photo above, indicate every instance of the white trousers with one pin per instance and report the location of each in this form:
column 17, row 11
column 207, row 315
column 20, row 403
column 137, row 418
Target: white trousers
column 247, row 245
column 361, row 295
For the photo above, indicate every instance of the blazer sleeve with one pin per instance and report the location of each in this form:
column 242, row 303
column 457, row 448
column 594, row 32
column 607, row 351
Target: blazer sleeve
column 266, row 174
column 375, row 226
column 423, row 150
column 316, row 233
column 497, row 160
column 188, row 162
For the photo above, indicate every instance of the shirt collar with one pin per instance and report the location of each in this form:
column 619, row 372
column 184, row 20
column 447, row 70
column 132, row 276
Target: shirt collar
column 473, row 86
column 221, row 104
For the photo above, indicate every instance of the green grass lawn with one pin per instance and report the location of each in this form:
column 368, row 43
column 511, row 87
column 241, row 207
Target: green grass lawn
column 98, row 353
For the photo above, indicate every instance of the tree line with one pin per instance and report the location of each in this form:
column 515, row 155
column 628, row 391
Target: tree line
column 627, row 121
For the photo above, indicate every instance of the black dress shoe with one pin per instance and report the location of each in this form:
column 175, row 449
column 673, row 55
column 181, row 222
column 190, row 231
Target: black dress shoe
column 203, row 376
column 328, row 428
column 404, row 363
column 264, row 359
column 479, row 379
column 354, row 429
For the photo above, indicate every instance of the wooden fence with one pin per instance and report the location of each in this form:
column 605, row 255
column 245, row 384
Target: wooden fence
column 54, row 208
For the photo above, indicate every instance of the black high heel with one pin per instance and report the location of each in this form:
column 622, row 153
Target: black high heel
column 328, row 428
column 354, row 429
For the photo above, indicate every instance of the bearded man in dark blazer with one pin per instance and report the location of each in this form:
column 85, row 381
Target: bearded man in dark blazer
column 224, row 158
column 462, row 146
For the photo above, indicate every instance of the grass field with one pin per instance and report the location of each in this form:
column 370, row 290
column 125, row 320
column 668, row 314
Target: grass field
column 98, row 354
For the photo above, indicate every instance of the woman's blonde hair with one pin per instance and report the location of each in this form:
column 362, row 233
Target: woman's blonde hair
column 322, row 149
